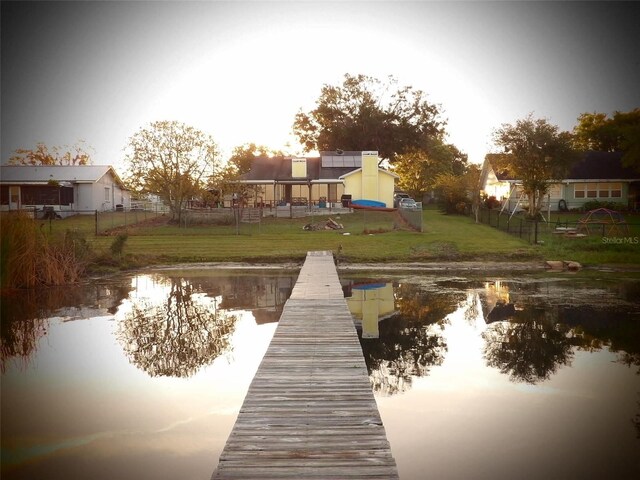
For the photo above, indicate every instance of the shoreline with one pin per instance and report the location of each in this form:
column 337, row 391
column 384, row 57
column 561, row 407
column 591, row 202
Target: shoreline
column 427, row 267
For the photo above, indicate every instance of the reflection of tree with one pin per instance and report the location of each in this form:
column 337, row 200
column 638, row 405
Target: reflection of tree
column 400, row 353
column 409, row 343
column 19, row 338
column 616, row 328
column 425, row 306
column 530, row 348
column 25, row 313
column 176, row 335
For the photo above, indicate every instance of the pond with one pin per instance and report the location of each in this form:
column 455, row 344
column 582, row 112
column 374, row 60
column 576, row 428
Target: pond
column 497, row 377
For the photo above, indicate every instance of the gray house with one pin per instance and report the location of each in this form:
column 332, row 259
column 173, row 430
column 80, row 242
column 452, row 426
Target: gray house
column 596, row 176
column 79, row 188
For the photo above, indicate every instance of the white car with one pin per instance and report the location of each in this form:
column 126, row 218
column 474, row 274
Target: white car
column 408, row 204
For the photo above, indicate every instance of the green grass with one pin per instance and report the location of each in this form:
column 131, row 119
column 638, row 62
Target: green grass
column 372, row 238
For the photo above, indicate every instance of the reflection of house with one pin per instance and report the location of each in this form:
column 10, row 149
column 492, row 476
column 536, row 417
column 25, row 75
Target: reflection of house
column 263, row 296
column 496, row 302
column 369, row 304
column 596, row 176
column 319, row 180
column 78, row 187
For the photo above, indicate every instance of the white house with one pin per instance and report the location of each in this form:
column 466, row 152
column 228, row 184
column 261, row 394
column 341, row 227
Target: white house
column 597, row 176
column 78, row 188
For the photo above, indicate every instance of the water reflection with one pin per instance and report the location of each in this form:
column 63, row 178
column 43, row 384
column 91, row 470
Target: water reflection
column 401, row 330
column 25, row 314
column 183, row 320
column 525, row 377
column 530, row 348
column 531, row 327
column 173, row 328
column 135, row 377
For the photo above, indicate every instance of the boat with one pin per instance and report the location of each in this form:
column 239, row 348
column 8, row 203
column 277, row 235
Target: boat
column 364, row 204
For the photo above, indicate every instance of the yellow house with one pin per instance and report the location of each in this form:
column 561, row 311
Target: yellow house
column 319, row 181
column 370, row 182
column 369, row 304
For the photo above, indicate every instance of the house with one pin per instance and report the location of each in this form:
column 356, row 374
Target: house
column 595, row 176
column 77, row 188
column 319, row 180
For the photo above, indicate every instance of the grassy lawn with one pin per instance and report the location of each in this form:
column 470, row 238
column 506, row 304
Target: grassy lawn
column 366, row 237
column 371, row 238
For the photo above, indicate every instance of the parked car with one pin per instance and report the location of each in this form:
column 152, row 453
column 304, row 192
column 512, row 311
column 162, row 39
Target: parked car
column 397, row 197
column 408, row 204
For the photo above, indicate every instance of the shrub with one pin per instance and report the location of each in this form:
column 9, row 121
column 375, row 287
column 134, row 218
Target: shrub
column 118, row 244
column 30, row 258
column 491, row 202
column 595, row 204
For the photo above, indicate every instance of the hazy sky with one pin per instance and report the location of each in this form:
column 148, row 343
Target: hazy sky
column 99, row 71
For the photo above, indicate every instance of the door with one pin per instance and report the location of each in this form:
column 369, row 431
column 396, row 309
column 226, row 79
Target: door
column 14, row 197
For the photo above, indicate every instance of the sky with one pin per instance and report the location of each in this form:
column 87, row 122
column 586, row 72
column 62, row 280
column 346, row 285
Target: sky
column 98, row 72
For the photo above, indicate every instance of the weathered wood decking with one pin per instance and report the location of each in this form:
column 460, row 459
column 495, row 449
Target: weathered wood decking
column 310, row 412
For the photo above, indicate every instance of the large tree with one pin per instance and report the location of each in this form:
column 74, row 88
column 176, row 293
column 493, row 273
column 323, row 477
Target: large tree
column 172, row 160
column 418, row 169
column 43, row 155
column 618, row 133
column 365, row 113
column 537, row 153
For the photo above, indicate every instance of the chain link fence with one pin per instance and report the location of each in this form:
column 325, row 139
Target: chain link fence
column 520, row 227
column 120, row 218
column 413, row 216
column 535, row 230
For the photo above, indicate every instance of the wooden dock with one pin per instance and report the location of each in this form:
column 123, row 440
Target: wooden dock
column 310, row 412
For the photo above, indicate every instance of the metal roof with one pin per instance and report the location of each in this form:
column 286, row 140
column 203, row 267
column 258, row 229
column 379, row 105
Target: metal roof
column 38, row 174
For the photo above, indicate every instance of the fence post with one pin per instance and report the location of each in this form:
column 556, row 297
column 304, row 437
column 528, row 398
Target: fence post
column 535, row 235
column 520, row 235
column 96, row 222
column 498, row 222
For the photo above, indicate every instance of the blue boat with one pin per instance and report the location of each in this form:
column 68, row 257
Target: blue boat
column 364, row 204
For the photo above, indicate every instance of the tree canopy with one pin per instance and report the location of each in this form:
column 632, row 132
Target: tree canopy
column 43, row 155
column 618, row 133
column 455, row 192
column 418, row 169
column 243, row 155
column 172, row 160
column 365, row 113
column 537, row 152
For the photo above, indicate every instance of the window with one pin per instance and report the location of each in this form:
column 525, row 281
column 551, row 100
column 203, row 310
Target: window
column 616, row 190
column 333, row 192
column 598, row 190
column 107, row 194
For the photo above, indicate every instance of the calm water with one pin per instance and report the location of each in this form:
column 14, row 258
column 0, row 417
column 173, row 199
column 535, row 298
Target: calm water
column 142, row 377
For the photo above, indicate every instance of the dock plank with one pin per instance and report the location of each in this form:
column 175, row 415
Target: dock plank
column 309, row 412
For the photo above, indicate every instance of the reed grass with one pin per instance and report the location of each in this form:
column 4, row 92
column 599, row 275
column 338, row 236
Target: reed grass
column 31, row 258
